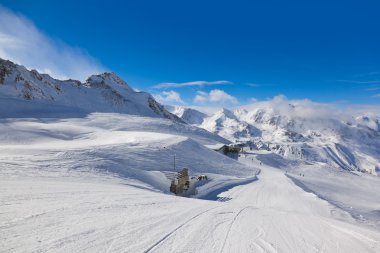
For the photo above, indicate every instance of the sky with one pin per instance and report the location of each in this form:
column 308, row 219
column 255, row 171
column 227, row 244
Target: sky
column 205, row 53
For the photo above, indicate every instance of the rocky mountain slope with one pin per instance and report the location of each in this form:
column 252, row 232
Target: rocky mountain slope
column 99, row 93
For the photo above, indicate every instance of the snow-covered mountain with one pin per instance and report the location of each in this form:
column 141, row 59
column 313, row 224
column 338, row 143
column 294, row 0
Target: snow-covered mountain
column 105, row 92
column 225, row 123
column 298, row 131
column 188, row 115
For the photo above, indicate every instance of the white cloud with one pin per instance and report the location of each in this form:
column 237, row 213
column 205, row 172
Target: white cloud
column 215, row 96
column 201, row 97
column 303, row 108
column 221, row 96
column 169, row 97
column 193, row 83
column 377, row 95
column 299, row 108
column 22, row 43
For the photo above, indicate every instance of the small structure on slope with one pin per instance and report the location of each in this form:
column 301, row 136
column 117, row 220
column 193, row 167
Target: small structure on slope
column 231, row 150
column 202, row 177
column 181, row 183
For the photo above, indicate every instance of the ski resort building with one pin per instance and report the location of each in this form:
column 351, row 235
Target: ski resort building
column 230, row 150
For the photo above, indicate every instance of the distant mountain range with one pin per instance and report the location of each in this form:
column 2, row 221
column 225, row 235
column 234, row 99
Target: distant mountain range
column 333, row 142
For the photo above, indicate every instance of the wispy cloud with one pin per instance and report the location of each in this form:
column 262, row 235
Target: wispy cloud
column 360, row 82
column 169, row 97
column 215, row 96
column 372, row 73
column 22, row 43
column 256, row 85
column 252, row 84
column 193, row 83
column 373, row 88
column 376, row 95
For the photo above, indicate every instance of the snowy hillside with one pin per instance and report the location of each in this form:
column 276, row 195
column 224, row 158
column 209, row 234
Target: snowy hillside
column 134, row 147
column 28, row 93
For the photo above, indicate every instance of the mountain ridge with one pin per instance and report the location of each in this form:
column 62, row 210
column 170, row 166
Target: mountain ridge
column 104, row 92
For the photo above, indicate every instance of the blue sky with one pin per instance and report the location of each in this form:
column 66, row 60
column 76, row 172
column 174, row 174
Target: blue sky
column 213, row 52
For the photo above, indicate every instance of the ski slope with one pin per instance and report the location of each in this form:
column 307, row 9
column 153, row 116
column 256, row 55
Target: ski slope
column 86, row 212
column 132, row 147
column 98, row 184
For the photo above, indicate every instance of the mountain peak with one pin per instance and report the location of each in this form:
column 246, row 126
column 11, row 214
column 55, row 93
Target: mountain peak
column 190, row 116
column 225, row 113
column 109, row 79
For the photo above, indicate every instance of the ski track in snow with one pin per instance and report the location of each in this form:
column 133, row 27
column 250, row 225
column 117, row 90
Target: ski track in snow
column 175, row 230
column 231, row 224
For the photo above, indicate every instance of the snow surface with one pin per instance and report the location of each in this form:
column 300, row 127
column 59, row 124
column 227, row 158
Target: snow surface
column 47, row 210
column 130, row 146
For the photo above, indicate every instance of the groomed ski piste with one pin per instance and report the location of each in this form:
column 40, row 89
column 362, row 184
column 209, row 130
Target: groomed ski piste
column 98, row 184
